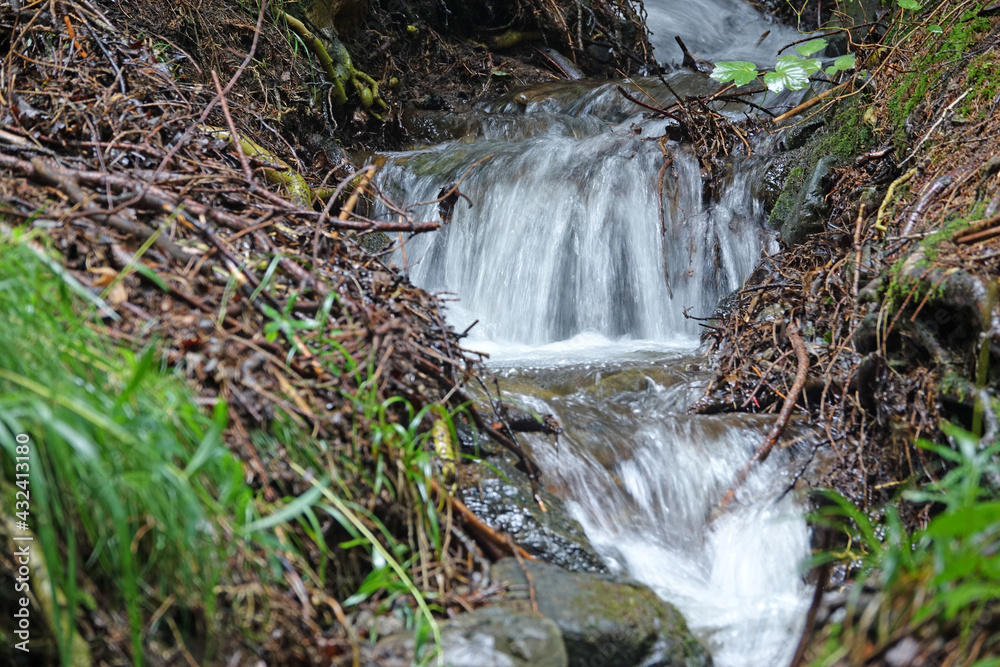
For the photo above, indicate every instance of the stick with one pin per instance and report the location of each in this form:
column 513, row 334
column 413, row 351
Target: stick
column 808, row 104
column 479, row 530
column 972, row 232
column 352, row 201
column 764, row 450
column 67, row 181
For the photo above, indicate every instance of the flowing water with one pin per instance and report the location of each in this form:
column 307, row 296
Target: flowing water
column 577, row 278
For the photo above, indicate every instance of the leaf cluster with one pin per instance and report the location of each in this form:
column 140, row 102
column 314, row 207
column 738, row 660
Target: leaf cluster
column 791, row 72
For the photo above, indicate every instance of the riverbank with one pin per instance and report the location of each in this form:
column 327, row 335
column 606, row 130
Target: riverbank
column 181, row 181
column 889, row 274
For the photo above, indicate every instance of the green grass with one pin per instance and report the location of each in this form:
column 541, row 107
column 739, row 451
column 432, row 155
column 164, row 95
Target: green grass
column 131, row 486
column 945, row 575
column 135, row 498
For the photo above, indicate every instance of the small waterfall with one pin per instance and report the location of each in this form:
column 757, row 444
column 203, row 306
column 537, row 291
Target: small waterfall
column 715, row 29
column 564, row 233
column 577, row 251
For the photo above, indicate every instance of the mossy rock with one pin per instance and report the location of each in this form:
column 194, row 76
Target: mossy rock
column 486, row 636
column 605, row 620
column 808, row 215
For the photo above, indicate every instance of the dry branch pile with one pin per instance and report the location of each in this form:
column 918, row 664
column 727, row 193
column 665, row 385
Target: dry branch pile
column 119, row 153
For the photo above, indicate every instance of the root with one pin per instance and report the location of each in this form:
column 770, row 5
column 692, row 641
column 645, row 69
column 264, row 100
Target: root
column 338, row 71
column 786, row 412
column 281, row 174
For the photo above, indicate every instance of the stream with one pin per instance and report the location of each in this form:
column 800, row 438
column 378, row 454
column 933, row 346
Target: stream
column 577, row 286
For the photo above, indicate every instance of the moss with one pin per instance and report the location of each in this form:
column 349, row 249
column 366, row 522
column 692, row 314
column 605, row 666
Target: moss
column 926, row 71
column 786, row 200
column 983, row 79
column 845, row 136
column 953, row 384
column 848, row 135
column 900, row 287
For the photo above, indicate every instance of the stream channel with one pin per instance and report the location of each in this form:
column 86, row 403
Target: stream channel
column 578, row 289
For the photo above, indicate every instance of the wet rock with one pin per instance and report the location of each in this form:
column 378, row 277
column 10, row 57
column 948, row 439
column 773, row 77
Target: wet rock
column 374, row 242
column 797, row 135
column 486, row 637
column 810, row 208
column 431, row 102
column 606, row 621
column 772, row 178
column 860, row 13
column 501, row 496
column 435, row 127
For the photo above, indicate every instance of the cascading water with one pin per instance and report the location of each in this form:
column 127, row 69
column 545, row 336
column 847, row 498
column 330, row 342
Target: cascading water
column 578, row 272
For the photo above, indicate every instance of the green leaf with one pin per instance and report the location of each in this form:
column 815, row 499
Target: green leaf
column 935, row 29
column 841, row 64
column 806, row 49
column 739, row 72
column 909, row 4
column 845, row 62
column 789, row 72
column 811, row 65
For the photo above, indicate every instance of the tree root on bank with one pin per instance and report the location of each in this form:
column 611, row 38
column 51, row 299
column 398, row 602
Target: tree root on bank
column 299, row 191
column 281, row 174
column 339, row 71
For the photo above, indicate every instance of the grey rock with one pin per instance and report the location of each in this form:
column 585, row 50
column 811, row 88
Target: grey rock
column 501, row 496
column 771, row 179
column 606, row 621
column 486, row 637
column 810, row 208
column 798, row 134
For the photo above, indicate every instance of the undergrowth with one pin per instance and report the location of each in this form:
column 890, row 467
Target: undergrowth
column 131, row 488
column 942, row 580
column 139, row 511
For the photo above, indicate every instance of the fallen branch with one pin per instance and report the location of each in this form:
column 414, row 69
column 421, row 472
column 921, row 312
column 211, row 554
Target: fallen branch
column 980, row 231
column 764, row 450
column 932, row 193
column 67, row 181
column 808, row 104
column 486, row 537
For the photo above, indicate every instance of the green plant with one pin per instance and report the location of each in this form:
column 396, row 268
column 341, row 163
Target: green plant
column 132, row 490
column 946, row 573
column 791, row 72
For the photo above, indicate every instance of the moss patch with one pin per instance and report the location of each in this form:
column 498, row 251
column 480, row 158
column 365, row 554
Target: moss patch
column 845, row 136
column 930, row 69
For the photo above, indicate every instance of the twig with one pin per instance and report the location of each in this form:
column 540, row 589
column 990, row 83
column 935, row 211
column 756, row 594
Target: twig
column 934, row 127
column 481, row 532
column 51, row 175
column 532, row 595
column 981, row 230
column 762, row 452
column 808, row 104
